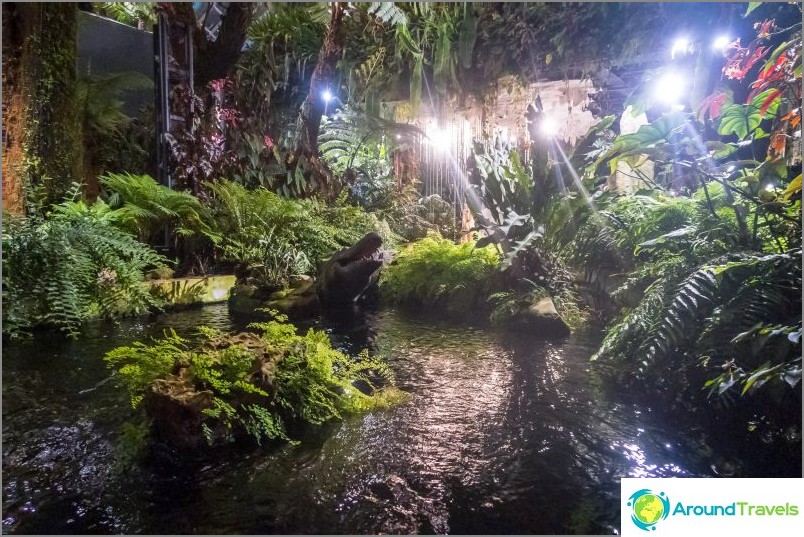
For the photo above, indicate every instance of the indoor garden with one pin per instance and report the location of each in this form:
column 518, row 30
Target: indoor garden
column 394, row 267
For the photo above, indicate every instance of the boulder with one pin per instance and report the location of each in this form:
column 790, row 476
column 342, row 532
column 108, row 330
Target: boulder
column 176, row 409
column 245, row 298
column 540, row 318
column 176, row 404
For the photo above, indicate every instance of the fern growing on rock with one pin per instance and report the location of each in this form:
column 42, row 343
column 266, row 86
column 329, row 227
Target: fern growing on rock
column 253, row 384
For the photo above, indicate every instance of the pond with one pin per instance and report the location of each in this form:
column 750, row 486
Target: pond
column 502, row 434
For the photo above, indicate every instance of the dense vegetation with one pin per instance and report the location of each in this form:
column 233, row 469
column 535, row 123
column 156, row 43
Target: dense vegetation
column 682, row 238
column 257, row 383
column 437, row 272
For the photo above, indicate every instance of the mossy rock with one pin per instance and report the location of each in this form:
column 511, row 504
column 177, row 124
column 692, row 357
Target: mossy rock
column 538, row 317
column 160, row 273
column 300, row 299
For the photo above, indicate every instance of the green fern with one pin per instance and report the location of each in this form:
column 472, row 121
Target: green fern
column 311, row 382
column 707, row 312
column 143, row 206
column 62, row 270
column 436, row 271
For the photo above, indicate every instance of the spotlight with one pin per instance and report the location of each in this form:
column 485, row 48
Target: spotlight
column 721, row 42
column 327, row 96
column 670, row 88
column 548, row 127
column 439, row 138
column 770, row 187
column 682, row 45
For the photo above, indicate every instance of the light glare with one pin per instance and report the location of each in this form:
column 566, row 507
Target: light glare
column 682, row 45
column 721, row 42
column 327, row 96
column 549, row 127
column 670, row 88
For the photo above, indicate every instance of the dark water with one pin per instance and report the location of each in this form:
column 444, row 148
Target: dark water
column 501, row 435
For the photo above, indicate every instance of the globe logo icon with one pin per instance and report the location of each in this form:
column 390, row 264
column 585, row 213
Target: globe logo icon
column 648, row 508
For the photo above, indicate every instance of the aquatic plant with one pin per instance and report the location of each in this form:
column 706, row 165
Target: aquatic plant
column 249, row 384
column 71, row 265
column 437, row 272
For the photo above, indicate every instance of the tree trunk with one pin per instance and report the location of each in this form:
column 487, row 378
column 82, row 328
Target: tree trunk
column 312, row 109
column 214, row 59
column 44, row 139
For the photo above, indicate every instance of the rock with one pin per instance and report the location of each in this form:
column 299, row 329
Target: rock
column 176, row 405
column 176, row 409
column 542, row 319
column 296, row 303
column 161, row 273
column 244, row 298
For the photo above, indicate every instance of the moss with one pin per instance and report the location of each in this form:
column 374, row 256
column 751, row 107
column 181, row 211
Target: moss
column 51, row 138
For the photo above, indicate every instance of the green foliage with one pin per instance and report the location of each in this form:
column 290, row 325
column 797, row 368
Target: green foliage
column 358, row 146
column 73, row 264
column 138, row 14
column 261, row 382
column 279, row 237
column 143, row 206
column 100, row 99
column 529, row 207
column 737, row 317
column 437, row 272
column 51, row 137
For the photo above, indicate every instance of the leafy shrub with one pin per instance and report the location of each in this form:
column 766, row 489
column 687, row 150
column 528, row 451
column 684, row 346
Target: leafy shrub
column 738, row 316
column 72, row 265
column 261, row 382
column 280, row 237
column 435, row 271
column 143, row 206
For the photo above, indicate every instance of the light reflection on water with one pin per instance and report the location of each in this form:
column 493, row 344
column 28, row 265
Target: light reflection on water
column 502, row 434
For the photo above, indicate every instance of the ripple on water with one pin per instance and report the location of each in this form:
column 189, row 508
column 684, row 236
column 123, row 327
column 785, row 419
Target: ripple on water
column 502, row 434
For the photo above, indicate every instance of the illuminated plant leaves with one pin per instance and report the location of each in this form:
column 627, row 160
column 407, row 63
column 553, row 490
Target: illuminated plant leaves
column 739, row 119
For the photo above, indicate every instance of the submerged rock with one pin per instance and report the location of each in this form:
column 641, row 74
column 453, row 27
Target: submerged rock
column 540, row 318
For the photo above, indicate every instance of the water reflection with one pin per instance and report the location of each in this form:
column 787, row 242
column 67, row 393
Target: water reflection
column 502, row 434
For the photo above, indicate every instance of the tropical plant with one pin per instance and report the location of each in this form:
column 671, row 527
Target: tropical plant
column 139, row 14
column 437, row 272
column 528, row 206
column 709, row 256
column 143, row 206
column 100, row 98
column 358, row 147
column 299, row 379
column 282, row 237
column 69, row 266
